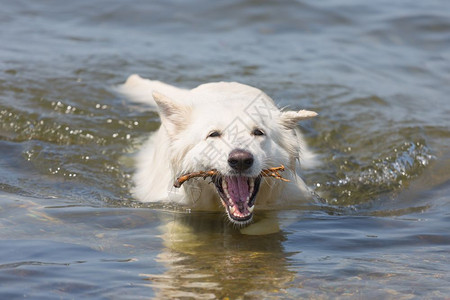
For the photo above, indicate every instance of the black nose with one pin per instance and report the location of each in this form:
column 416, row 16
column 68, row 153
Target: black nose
column 240, row 160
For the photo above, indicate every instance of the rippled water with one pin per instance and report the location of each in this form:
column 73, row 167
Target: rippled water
column 377, row 73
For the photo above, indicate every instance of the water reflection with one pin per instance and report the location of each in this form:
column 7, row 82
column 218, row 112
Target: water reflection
column 205, row 258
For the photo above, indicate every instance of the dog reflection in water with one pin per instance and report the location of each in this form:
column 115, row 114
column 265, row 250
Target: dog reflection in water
column 205, row 258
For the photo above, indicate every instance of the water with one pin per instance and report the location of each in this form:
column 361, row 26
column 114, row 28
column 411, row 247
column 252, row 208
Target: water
column 377, row 73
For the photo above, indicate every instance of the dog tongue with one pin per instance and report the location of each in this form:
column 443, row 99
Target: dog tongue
column 239, row 191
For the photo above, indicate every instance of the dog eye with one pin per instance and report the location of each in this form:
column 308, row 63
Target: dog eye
column 257, row 132
column 214, row 133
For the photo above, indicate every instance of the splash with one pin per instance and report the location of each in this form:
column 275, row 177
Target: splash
column 385, row 174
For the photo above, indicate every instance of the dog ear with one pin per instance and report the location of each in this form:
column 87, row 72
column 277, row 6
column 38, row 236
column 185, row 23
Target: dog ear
column 289, row 119
column 173, row 115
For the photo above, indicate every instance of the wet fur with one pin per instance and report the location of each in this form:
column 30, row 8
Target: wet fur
column 179, row 145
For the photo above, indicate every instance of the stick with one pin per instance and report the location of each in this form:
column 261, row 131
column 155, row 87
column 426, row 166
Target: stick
column 271, row 172
column 180, row 180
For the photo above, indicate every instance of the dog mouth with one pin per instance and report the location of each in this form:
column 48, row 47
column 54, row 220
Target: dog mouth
column 238, row 195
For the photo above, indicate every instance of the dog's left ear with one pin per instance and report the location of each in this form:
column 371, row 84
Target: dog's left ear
column 173, row 115
column 289, row 119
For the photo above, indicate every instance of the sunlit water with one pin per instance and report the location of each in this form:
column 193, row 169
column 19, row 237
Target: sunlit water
column 377, row 74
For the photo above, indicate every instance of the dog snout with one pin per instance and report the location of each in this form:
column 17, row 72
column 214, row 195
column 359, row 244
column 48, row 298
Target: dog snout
column 240, row 160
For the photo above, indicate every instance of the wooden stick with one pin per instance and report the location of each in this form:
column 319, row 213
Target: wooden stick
column 180, row 180
column 274, row 172
column 271, row 172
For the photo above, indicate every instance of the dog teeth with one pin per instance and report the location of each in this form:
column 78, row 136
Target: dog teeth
column 252, row 186
column 252, row 182
column 225, row 188
column 232, row 209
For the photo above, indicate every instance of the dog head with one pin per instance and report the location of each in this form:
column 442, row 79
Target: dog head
column 236, row 130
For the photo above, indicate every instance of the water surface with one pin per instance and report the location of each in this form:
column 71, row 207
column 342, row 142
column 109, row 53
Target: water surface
column 377, row 74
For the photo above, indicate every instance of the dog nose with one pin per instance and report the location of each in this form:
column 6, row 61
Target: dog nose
column 240, row 160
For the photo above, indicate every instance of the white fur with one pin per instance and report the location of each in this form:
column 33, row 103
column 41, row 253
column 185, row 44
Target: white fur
column 182, row 145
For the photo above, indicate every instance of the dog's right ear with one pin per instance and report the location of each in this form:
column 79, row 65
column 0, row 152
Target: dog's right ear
column 174, row 116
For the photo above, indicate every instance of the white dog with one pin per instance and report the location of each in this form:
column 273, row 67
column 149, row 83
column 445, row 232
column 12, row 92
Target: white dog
column 228, row 127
